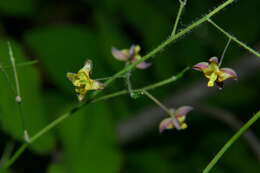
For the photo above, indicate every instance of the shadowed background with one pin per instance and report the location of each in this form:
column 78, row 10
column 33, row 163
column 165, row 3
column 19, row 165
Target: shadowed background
column 121, row 134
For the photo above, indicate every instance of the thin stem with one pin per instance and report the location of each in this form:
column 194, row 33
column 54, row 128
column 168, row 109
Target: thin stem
column 18, row 98
column 234, row 39
column 150, row 96
column 130, row 67
column 224, row 51
column 149, row 87
column 168, row 111
column 7, row 78
column 128, row 82
column 7, row 152
column 15, row 156
column 22, row 64
column 65, row 116
column 14, row 70
column 230, row 142
column 167, row 42
column 181, row 7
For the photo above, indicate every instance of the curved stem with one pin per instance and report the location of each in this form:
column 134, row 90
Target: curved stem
column 230, row 142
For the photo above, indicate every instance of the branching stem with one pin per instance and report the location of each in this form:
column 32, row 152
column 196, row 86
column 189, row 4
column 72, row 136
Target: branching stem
column 181, row 7
column 119, row 74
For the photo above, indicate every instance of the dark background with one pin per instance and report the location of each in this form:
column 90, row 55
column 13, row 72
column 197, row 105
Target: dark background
column 121, row 135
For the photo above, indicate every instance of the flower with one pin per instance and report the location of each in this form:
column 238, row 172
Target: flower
column 82, row 81
column 177, row 120
column 130, row 55
column 214, row 73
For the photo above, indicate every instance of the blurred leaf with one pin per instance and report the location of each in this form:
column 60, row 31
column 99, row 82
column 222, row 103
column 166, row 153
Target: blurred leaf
column 89, row 141
column 149, row 161
column 56, row 168
column 17, row 7
column 33, row 112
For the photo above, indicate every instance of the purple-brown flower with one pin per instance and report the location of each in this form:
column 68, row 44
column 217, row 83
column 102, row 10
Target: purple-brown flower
column 214, row 73
column 177, row 120
column 130, row 55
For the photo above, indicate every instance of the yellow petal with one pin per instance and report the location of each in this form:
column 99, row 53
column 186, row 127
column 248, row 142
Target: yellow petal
column 212, row 79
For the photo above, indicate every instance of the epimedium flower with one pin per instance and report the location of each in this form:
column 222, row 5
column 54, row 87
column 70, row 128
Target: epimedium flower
column 214, row 73
column 82, row 81
column 130, row 55
column 177, row 120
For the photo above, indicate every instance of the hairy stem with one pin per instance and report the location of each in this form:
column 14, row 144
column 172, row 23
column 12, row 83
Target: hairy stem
column 167, row 42
column 230, row 142
column 66, row 115
column 234, row 39
column 122, row 72
column 149, row 87
column 181, row 7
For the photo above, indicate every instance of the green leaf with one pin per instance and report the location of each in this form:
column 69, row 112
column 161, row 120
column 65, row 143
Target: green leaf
column 89, row 141
column 32, row 110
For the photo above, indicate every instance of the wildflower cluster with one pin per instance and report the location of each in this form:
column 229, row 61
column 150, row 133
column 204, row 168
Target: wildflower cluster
column 211, row 69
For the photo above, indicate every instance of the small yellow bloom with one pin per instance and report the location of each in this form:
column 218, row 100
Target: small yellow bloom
column 177, row 120
column 214, row 73
column 82, row 81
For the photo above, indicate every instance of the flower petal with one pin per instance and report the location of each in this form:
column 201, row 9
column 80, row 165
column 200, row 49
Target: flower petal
column 201, row 66
column 132, row 51
column 71, row 76
column 212, row 78
column 120, row 55
column 228, row 73
column 87, row 67
column 182, row 111
column 213, row 60
column 166, row 124
column 97, row 85
column 143, row 65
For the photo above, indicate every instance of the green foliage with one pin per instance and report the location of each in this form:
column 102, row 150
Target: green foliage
column 61, row 37
column 33, row 112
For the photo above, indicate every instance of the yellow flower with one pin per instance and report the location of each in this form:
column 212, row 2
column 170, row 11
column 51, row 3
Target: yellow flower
column 82, row 81
column 130, row 55
column 177, row 120
column 214, row 73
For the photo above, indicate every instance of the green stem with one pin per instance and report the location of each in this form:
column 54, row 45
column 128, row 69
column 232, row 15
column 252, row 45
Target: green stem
column 234, row 39
column 18, row 98
column 150, row 96
column 149, row 87
column 22, row 64
column 14, row 69
column 182, row 5
column 230, row 142
column 167, row 42
column 168, row 111
column 128, row 68
column 224, row 51
column 65, row 116
column 15, row 156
